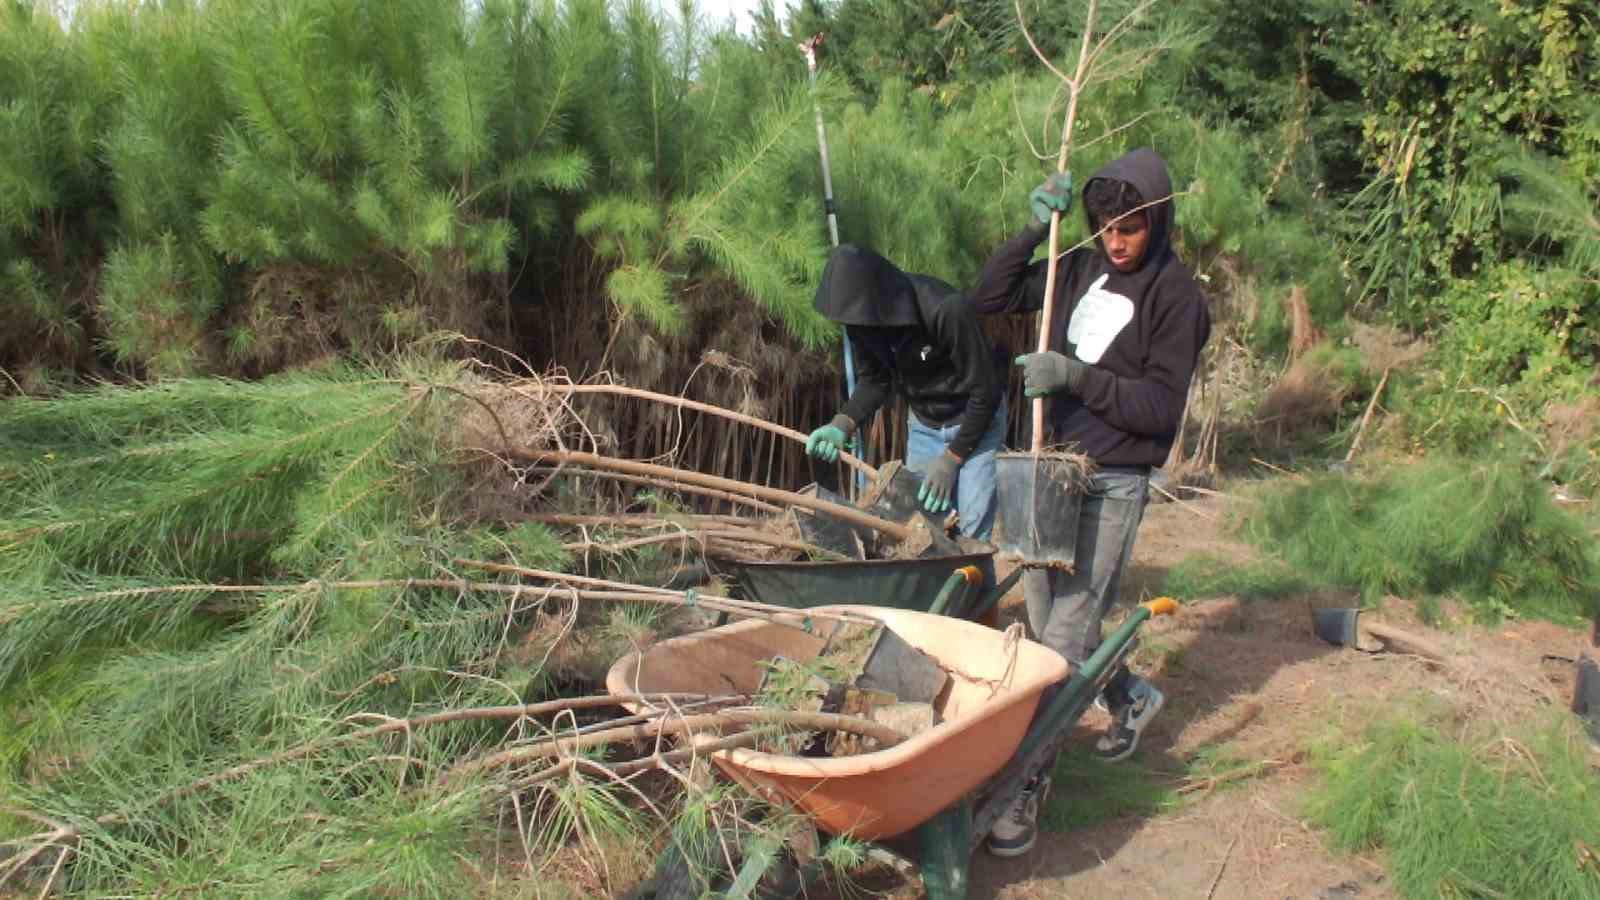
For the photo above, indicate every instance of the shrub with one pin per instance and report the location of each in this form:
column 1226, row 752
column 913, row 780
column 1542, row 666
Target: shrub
column 1496, row 818
column 1485, row 531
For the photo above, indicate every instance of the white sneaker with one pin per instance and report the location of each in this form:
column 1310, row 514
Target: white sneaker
column 1129, row 722
column 1015, row 832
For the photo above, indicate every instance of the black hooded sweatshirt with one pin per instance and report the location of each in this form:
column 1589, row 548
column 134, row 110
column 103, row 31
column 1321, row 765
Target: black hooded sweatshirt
column 917, row 330
column 1140, row 332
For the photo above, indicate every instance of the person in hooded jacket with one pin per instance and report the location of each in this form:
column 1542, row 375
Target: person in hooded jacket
column 1132, row 322
column 921, row 335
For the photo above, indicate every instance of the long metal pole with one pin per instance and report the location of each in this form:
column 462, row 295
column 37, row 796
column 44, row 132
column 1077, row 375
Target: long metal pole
column 809, row 48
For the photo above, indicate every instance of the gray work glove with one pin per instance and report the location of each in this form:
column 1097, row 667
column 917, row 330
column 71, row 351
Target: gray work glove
column 939, row 483
column 1049, row 373
column 826, row 442
column 1055, row 195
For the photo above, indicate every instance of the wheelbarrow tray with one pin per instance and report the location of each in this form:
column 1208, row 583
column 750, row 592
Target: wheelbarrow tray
column 994, row 690
column 892, row 583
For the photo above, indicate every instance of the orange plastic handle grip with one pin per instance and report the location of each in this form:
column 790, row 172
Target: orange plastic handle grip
column 1162, row 606
column 973, row 574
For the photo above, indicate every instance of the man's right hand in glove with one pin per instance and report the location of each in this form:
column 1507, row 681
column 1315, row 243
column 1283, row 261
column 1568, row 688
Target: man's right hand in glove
column 826, row 442
column 1055, row 195
column 1049, row 373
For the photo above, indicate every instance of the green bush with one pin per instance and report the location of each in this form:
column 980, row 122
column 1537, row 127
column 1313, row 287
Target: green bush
column 1483, row 531
column 1520, row 342
column 1498, row 817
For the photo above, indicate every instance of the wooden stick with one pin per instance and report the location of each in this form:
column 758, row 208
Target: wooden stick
column 566, row 745
column 1075, row 86
column 1396, row 640
column 634, row 467
column 1212, row 892
column 697, row 406
column 1367, row 417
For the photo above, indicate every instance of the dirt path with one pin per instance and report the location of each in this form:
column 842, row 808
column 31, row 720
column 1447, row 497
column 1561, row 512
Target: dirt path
column 1249, row 685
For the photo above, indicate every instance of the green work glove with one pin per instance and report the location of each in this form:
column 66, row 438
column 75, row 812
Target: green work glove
column 826, row 442
column 1050, row 372
column 1055, row 195
column 939, row 483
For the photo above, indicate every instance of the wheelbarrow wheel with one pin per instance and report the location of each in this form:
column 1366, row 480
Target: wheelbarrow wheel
column 683, row 874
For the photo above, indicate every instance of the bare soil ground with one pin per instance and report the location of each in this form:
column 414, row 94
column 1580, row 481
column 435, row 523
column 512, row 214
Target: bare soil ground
column 1249, row 683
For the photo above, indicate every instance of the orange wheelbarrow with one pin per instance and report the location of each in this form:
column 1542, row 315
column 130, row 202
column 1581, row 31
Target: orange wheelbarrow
column 929, row 799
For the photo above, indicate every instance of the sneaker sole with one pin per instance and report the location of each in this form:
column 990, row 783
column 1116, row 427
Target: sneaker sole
column 1013, row 852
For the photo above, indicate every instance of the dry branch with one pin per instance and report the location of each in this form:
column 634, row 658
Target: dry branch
column 664, row 520
column 621, row 590
column 670, row 485
column 1367, row 416
column 566, row 745
column 1265, row 767
column 789, row 498
column 659, row 759
column 705, row 538
column 707, row 408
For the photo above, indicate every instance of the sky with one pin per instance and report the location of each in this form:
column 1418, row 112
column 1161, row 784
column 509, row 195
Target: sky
column 717, row 11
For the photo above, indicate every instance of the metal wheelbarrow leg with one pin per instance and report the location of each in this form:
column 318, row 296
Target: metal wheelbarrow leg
column 946, row 842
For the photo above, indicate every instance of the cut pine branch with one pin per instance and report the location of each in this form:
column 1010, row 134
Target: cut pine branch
column 66, row 836
column 705, row 539
column 683, row 476
column 567, row 745
column 707, row 408
column 622, row 591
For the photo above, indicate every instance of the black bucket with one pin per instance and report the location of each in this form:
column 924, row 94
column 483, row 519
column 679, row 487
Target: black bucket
column 893, row 497
column 1039, row 497
column 1586, row 696
column 1336, row 625
column 895, row 583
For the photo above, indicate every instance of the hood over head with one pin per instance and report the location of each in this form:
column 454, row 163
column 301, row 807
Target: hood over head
column 861, row 288
column 1147, row 172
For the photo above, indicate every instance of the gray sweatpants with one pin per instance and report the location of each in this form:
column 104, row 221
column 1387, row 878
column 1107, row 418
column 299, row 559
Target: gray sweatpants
column 1065, row 610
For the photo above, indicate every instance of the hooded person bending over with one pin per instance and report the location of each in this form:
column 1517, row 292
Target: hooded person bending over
column 921, row 335
column 1131, row 320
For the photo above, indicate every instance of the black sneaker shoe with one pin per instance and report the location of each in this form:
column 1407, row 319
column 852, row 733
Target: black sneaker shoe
column 1128, row 722
column 1015, row 832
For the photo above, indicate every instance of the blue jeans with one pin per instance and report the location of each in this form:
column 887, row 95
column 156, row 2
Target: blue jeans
column 975, row 482
column 1065, row 609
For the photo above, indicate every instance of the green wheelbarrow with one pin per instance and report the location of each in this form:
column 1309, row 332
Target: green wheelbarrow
column 891, row 583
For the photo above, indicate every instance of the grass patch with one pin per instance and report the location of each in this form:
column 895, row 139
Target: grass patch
column 1085, row 791
column 1210, row 576
column 1489, row 816
column 1484, row 532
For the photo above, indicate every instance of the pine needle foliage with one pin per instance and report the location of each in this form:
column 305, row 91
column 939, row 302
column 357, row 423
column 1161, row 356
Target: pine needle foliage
column 1483, row 531
column 1477, row 816
column 204, row 574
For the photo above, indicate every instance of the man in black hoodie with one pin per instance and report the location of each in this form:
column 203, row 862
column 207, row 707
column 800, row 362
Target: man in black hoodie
column 1132, row 321
column 919, row 332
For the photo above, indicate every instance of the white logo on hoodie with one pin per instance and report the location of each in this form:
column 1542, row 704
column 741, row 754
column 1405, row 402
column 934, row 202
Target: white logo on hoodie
column 1099, row 317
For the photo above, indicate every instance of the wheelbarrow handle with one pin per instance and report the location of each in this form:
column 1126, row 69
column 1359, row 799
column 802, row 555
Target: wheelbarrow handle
column 955, row 587
column 1001, row 588
column 1049, row 726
